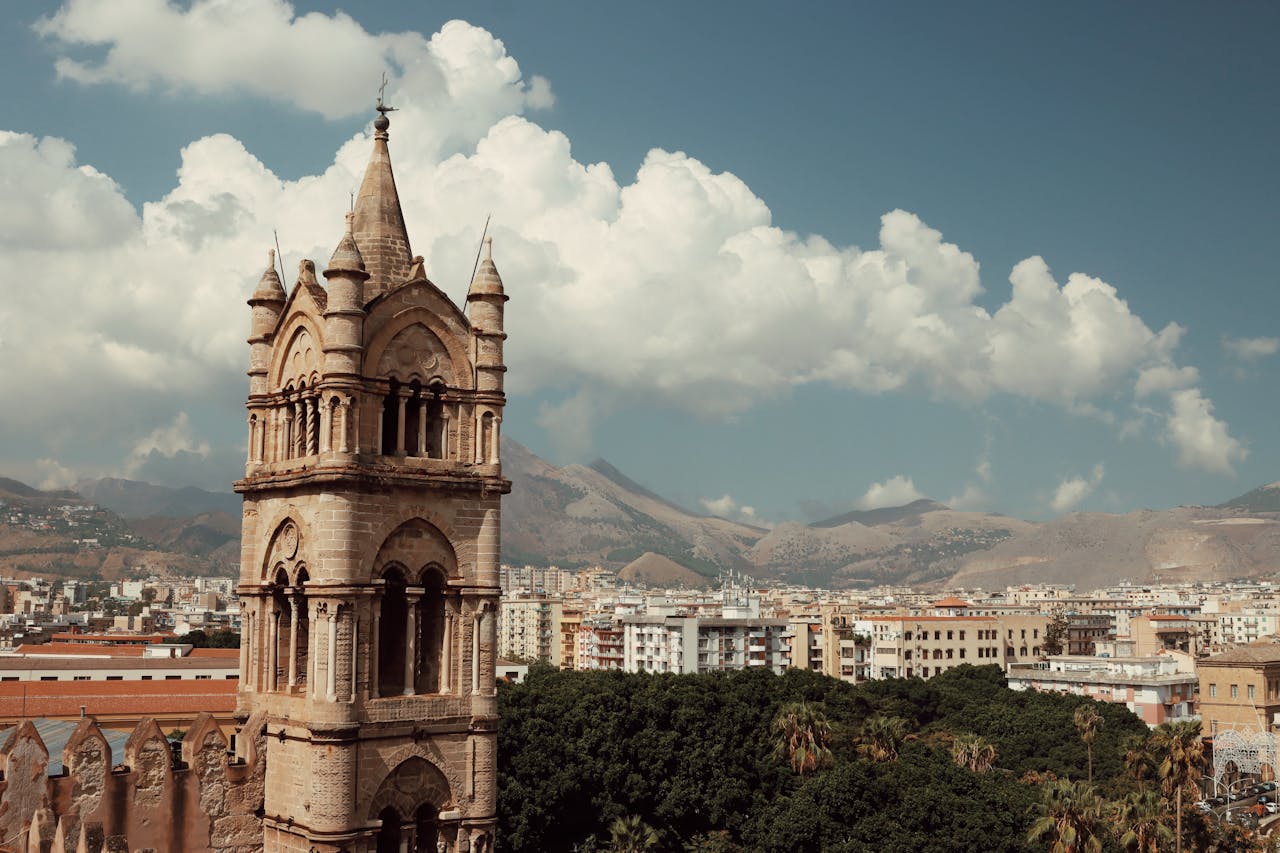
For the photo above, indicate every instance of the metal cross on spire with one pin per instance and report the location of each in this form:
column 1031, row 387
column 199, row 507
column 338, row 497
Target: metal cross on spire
column 381, row 107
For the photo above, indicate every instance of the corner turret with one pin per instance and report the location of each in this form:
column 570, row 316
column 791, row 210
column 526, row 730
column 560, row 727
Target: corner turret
column 485, row 301
column 344, row 313
column 266, row 303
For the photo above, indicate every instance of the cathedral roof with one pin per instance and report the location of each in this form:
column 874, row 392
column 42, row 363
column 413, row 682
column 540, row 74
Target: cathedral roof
column 379, row 228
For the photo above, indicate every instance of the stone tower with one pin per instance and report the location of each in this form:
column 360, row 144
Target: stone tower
column 369, row 565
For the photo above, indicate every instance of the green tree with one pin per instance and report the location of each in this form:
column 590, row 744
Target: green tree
column 1087, row 723
column 1182, row 762
column 1140, row 763
column 1055, row 636
column 1070, row 814
column 1140, row 820
column 804, row 736
column 973, row 752
column 631, row 834
column 881, row 737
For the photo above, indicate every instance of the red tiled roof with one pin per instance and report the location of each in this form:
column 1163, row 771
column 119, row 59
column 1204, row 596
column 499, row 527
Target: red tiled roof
column 115, row 698
column 105, row 639
column 221, row 654
column 951, row 601
column 81, row 650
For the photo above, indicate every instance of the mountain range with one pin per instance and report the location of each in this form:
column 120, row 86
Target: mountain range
column 580, row 515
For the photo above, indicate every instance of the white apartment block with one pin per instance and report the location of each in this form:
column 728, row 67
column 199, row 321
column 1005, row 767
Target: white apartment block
column 529, row 628
column 692, row 644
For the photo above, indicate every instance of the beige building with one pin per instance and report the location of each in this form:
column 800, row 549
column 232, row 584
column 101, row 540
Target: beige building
column 925, row 646
column 529, row 629
column 369, row 569
column 1240, row 689
column 1159, row 689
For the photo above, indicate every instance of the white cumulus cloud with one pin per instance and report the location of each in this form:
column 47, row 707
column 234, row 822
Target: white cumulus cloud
column 593, row 263
column 726, row 507
column 1072, row 490
column 895, row 491
column 1251, row 349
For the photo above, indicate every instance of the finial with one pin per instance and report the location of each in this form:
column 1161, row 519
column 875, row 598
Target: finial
column 351, row 220
column 381, row 123
column 271, row 259
column 488, row 248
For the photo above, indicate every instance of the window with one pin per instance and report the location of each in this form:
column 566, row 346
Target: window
column 9, row 678
column 115, row 678
column 203, row 677
column 1035, row 633
column 962, row 635
column 950, row 635
column 962, row 653
column 1251, row 696
column 949, row 654
column 937, row 635
column 1235, row 692
column 1024, row 633
column 233, row 677
column 79, row 678
column 146, row 678
column 1010, row 633
column 173, row 678
column 48, row 678
column 907, row 636
column 906, row 655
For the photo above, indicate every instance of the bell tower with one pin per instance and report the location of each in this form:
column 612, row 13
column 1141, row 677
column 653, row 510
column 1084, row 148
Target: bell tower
column 369, row 562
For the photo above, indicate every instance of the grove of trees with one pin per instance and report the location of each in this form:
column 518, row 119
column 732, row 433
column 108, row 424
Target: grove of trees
column 751, row 761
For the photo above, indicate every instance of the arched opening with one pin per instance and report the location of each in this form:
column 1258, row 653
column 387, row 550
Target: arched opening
column 284, row 619
column 425, row 828
column 392, row 622
column 430, row 631
column 436, row 423
column 413, row 420
column 390, row 419
column 303, row 655
column 335, row 438
column 486, row 438
column 389, row 833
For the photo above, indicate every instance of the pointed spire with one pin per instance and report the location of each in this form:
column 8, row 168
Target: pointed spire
column 379, row 222
column 269, row 289
column 347, row 257
column 486, row 281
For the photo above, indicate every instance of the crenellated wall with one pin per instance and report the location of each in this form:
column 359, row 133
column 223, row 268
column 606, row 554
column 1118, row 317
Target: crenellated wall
column 209, row 801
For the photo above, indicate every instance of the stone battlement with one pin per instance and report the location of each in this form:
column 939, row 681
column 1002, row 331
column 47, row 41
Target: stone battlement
column 157, row 799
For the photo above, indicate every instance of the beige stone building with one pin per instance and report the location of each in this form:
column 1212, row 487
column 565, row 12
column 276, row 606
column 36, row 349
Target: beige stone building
column 369, row 570
column 925, row 646
column 1240, row 689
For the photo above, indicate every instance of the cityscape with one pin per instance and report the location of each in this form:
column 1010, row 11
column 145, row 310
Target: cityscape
column 865, row 447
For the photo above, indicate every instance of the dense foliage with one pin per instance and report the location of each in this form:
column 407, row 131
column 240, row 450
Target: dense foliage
column 748, row 760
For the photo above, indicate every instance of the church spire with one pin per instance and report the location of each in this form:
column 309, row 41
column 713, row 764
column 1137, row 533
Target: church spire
column 379, row 223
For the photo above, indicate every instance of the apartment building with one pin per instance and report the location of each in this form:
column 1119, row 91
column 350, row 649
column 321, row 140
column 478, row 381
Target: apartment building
column 1240, row 689
column 600, row 641
column 528, row 628
column 1159, row 689
column 691, row 644
column 925, row 646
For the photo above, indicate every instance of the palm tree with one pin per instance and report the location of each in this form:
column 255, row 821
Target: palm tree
column 1139, row 761
column 804, row 736
column 881, row 736
column 1087, row 723
column 974, row 752
column 631, row 835
column 1140, row 818
column 1070, row 815
column 1183, row 758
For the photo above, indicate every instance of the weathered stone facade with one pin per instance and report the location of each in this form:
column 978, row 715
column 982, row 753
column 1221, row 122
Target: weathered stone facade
column 369, row 586
column 369, row 570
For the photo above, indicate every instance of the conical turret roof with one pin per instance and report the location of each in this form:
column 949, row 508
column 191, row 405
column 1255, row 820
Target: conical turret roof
column 269, row 288
column 379, row 222
column 347, row 257
column 487, row 281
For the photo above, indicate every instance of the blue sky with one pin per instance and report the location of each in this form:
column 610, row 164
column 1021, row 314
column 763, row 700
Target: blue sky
column 734, row 327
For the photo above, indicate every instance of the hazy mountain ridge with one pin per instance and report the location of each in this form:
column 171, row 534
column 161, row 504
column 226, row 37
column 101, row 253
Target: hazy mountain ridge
column 579, row 515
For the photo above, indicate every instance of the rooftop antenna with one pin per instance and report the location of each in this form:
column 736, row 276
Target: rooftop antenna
column 279, row 257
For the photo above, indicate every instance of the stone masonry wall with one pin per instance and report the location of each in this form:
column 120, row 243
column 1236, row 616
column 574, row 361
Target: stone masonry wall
column 204, row 801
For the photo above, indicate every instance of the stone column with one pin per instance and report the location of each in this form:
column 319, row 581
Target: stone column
column 273, row 651
column 253, row 438
column 261, row 446
column 400, row 437
column 355, row 656
column 313, row 425
column 494, row 454
column 446, row 651
column 375, row 616
column 344, row 414
column 475, row 654
column 326, row 427
column 287, row 449
column 422, row 429
column 377, row 436
column 246, row 641
column 411, row 646
column 444, row 433
column 293, row 642
column 300, row 429
column 331, row 691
